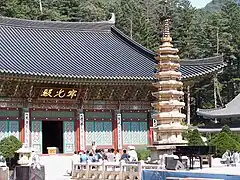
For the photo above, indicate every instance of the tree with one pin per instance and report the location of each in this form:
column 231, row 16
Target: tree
column 9, row 145
column 222, row 141
column 226, row 129
column 143, row 154
column 194, row 138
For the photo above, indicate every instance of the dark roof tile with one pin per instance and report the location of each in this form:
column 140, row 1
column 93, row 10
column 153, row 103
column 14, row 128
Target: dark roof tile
column 81, row 50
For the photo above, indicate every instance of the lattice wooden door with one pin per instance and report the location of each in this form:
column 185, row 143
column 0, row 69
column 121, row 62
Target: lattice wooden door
column 99, row 132
column 37, row 135
column 135, row 133
column 68, row 137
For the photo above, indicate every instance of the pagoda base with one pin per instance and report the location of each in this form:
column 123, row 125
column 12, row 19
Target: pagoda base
column 157, row 150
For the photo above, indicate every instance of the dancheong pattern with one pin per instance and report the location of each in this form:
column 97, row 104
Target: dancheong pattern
column 3, row 129
column 8, row 128
column 37, row 135
column 14, row 128
column 99, row 132
column 134, row 132
column 68, row 138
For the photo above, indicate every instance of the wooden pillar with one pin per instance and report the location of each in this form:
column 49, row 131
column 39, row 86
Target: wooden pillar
column 77, row 131
column 150, row 131
column 188, row 106
column 21, row 129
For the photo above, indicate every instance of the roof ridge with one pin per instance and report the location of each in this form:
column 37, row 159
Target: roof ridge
column 17, row 22
column 135, row 44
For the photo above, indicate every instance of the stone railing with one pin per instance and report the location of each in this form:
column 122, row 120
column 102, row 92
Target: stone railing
column 4, row 173
column 110, row 170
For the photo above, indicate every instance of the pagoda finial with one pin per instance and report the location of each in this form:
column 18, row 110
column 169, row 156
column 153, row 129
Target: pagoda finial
column 166, row 31
column 166, row 22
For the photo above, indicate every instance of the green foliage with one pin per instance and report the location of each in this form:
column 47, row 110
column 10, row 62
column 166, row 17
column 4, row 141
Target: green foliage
column 194, row 138
column 9, row 145
column 224, row 142
column 215, row 5
column 143, row 154
column 186, row 134
column 226, row 129
column 236, row 136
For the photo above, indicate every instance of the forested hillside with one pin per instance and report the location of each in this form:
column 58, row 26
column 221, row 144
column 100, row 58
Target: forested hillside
column 197, row 33
column 215, row 5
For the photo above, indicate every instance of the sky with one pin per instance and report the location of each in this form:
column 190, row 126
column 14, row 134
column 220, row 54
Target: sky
column 200, row 3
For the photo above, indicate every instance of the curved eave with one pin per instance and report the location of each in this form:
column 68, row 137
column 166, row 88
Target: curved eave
column 217, row 113
column 216, row 129
column 76, row 76
column 83, row 80
column 184, row 77
column 204, row 72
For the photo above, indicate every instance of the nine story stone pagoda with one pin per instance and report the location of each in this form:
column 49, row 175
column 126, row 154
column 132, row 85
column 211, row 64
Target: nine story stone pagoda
column 168, row 106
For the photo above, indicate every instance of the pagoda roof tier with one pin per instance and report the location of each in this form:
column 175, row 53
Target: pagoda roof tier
column 232, row 109
column 168, row 104
column 173, row 115
column 170, row 127
column 169, row 65
column 86, row 50
column 167, row 93
column 168, row 84
column 167, row 74
column 167, row 57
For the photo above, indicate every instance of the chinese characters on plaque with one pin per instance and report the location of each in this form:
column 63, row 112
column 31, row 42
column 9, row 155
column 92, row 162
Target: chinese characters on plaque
column 62, row 93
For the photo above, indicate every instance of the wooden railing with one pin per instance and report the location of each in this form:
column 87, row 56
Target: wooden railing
column 111, row 170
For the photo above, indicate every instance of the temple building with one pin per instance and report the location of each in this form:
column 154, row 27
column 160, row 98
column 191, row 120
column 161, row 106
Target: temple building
column 228, row 115
column 68, row 84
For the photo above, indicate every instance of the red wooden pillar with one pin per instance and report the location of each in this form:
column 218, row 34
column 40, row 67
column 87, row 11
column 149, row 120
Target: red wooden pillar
column 21, row 127
column 115, row 131
column 77, row 131
column 150, row 131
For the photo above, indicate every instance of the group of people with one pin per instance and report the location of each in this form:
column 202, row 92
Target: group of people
column 230, row 157
column 109, row 155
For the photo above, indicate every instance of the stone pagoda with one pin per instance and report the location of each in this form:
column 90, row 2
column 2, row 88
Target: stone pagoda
column 167, row 115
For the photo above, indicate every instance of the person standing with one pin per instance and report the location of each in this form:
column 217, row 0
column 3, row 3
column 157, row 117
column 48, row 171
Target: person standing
column 111, row 156
column 117, row 156
column 124, row 156
column 94, row 147
column 132, row 153
column 84, row 158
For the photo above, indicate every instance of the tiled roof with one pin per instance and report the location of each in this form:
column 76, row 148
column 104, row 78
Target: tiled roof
column 81, row 50
column 230, row 110
column 199, row 67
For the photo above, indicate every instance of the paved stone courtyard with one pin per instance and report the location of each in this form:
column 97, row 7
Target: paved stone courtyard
column 56, row 167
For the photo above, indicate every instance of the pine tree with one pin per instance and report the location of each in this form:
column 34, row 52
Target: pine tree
column 194, row 138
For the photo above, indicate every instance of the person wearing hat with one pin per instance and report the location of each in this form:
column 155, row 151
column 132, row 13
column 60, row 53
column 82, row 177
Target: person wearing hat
column 132, row 153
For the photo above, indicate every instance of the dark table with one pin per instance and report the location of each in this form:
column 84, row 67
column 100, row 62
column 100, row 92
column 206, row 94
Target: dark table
column 29, row 173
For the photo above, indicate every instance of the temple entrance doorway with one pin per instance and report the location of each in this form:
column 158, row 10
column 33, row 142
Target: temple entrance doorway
column 52, row 135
